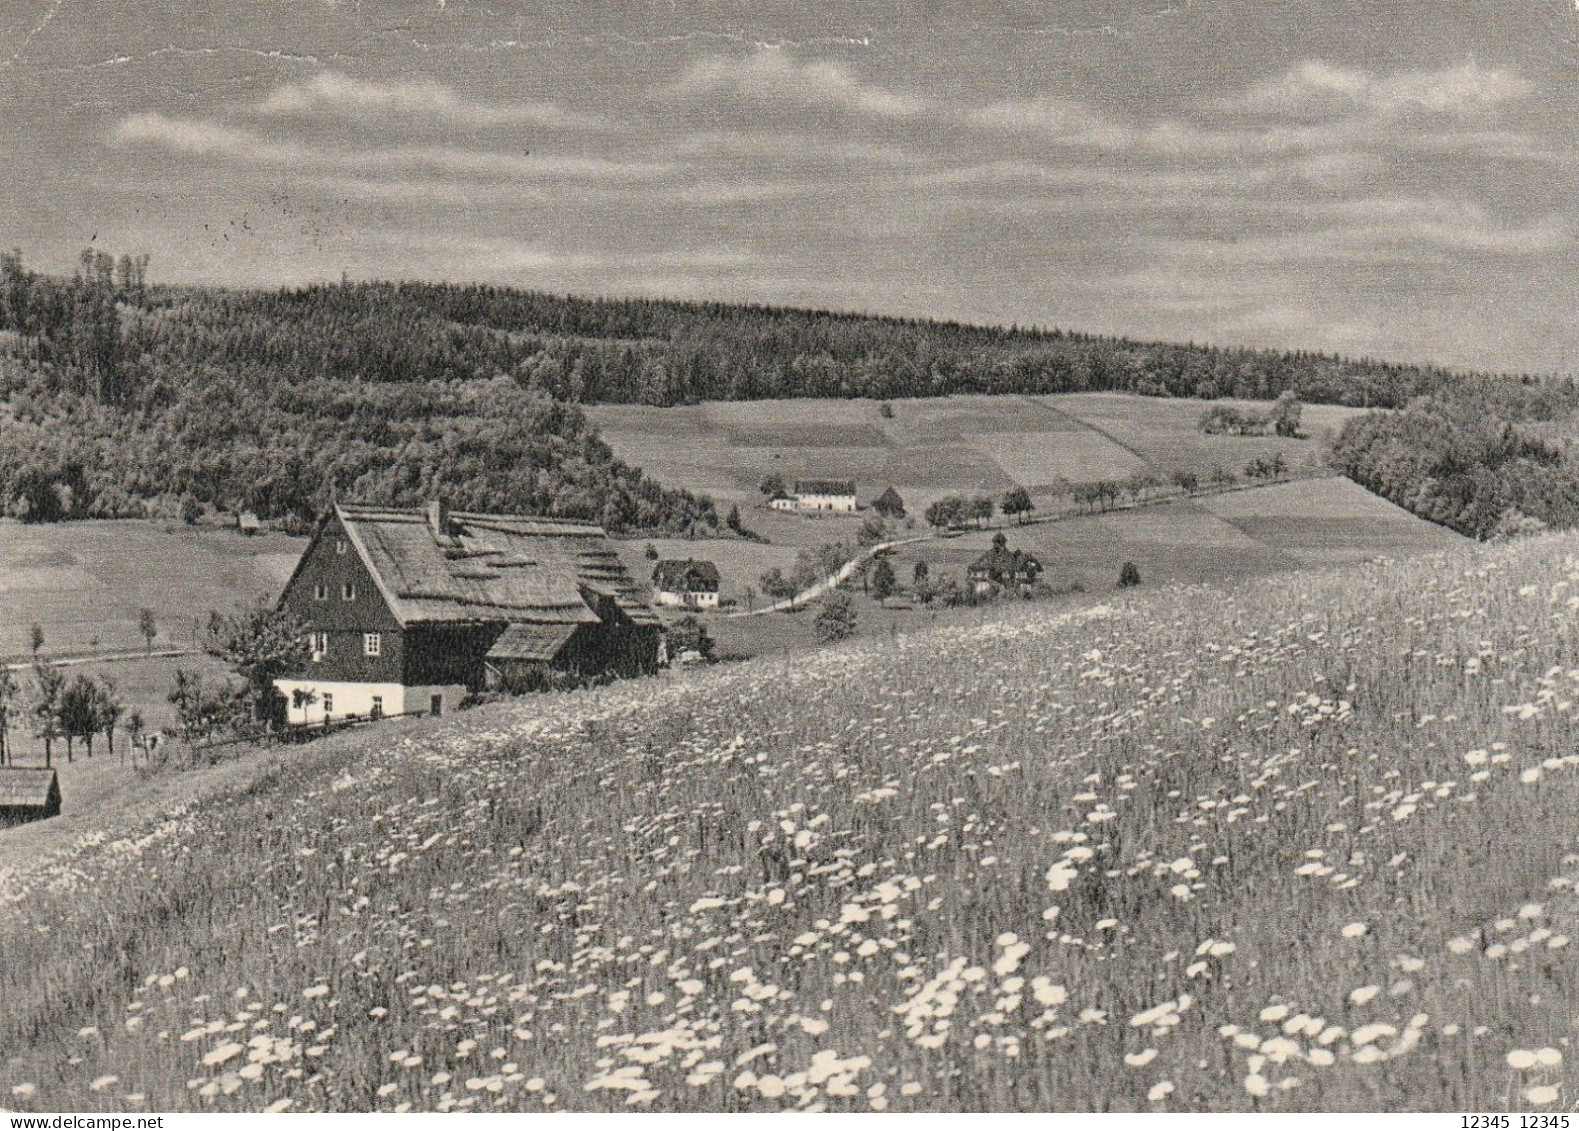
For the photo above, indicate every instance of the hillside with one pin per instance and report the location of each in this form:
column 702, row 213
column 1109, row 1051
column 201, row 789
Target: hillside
column 124, row 399
column 1300, row 843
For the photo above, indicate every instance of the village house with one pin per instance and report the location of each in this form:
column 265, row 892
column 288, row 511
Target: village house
column 812, row 495
column 1003, row 568
column 28, row 794
column 409, row 610
column 685, row 582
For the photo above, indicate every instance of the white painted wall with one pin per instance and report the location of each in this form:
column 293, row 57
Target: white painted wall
column 841, row 503
column 686, row 600
column 357, row 699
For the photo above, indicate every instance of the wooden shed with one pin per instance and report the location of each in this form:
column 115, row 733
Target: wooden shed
column 28, row 793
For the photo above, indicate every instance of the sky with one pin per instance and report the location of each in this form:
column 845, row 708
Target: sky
column 1389, row 179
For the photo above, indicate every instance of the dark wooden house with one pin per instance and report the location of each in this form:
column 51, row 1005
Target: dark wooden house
column 408, row 610
column 28, row 794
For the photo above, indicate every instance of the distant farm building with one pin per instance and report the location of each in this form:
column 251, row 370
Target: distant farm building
column 1003, row 568
column 409, row 610
column 28, row 794
column 686, row 582
column 812, row 495
column 249, row 523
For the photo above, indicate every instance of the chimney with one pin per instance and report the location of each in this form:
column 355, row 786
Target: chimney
column 438, row 518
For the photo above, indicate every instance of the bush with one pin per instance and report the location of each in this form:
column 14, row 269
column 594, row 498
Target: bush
column 690, row 635
column 1128, row 575
column 836, row 620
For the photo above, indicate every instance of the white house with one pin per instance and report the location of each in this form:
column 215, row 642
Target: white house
column 836, row 495
column 686, row 583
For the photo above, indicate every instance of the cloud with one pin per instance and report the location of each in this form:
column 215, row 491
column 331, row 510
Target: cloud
column 507, row 256
column 332, row 94
column 772, row 78
column 205, row 138
column 1313, row 108
column 1317, row 89
column 1383, row 230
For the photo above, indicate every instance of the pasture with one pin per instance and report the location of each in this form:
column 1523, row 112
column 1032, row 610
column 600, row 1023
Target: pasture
column 938, row 446
column 85, row 582
column 1297, row 843
column 1245, row 533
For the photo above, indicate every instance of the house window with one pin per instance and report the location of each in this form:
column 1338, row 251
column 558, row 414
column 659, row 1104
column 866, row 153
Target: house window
column 320, row 592
column 348, row 591
column 340, row 546
column 377, row 710
column 319, row 643
column 328, row 704
column 373, row 643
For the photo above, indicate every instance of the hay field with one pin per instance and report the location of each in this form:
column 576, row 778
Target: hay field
column 1300, row 843
column 86, row 581
column 937, row 446
column 1246, row 533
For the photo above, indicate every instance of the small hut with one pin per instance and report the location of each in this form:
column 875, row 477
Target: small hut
column 28, row 793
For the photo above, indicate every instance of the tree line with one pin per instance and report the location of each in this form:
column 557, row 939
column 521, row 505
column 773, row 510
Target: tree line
column 1464, row 464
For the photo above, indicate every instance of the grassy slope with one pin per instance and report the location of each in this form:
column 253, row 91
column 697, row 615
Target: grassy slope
column 1326, row 816
column 939, row 446
column 947, row 445
column 86, row 581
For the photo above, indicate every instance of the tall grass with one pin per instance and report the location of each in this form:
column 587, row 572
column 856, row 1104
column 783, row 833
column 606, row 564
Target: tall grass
column 1306, row 843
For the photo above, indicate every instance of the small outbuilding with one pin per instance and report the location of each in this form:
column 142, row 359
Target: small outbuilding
column 686, row 582
column 28, row 793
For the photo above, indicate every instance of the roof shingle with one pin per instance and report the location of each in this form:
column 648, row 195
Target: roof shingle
column 490, row 567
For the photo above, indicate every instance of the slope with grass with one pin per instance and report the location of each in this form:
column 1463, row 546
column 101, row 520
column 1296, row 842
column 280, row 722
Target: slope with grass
column 929, row 448
column 1304, row 842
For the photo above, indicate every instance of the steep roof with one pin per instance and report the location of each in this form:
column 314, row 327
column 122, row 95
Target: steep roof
column 26, row 786
column 490, row 567
column 686, row 575
column 825, row 486
column 531, row 642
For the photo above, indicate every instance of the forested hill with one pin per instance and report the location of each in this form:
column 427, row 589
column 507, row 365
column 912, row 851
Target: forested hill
column 665, row 352
column 120, row 398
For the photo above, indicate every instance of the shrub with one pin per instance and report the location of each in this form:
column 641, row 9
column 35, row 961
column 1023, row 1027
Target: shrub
column 836, row 620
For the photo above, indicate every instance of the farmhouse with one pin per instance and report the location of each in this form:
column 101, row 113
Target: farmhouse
column 693, row 584
column 28, row 794
column 1003, row 568
column 836, row 495
column 408, row 610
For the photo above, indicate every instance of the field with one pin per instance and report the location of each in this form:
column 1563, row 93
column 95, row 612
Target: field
column 1295, row 843
column 85, row 582
column 1240, row 534
column 938, row 446
column 968, row 444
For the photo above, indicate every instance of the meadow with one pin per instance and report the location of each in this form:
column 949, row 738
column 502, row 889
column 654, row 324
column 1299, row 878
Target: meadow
column 86, row 582
column 1299, row 842
column 939, row 446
